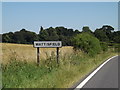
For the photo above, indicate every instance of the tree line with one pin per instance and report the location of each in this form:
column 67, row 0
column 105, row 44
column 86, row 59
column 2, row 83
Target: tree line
column 105, row 34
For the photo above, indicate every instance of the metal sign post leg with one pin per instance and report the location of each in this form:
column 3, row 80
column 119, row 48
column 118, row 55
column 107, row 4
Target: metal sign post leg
column 57, row 55
column 38, row 56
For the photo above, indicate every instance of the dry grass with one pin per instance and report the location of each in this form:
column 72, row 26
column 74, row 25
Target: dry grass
column 73, row 66
column 28, row 52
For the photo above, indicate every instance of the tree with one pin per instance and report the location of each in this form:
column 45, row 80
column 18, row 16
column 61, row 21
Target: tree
column 43, row 35
column 104, row 34
column 57, row 34
column 5, row 38
column 87, row 43
column 25, row 37
column 116, row 37
column 53, row 36
column 41, row 29
column 8, row 37
column 108, row 30
column 86, row 29
column 76, row 32
column 30, row 37
column 101, row 35
column 62, row 31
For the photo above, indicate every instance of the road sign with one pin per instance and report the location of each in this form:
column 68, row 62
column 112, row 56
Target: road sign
column 48, row 44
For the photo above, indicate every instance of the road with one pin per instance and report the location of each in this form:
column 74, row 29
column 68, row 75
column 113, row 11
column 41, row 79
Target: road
column 106, row 77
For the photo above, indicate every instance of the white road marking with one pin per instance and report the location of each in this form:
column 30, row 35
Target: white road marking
column 92, row 74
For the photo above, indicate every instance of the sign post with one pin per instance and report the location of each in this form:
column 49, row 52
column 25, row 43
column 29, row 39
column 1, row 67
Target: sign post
column 38, row 55
column 47, row 44
column 57, row 55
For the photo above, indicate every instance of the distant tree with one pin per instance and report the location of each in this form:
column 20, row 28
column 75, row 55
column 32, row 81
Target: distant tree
column 43, row 35
column 86, row 29
column 19, row 37
column 50, row 34
column 53, row 36
column 116, row 37
column 104, row 34
column 30, row 37
column 8, row 37
column 57, row 34
column 70, row 32
column 65, row 35
column 108, row 30
column 101, row 35
column 77, row 32
column 25, row 37
column 5, row 38
column 62, row 31
column 41, row 28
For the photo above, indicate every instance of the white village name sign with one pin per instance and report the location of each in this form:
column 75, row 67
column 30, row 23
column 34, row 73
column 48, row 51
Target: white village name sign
column 47, row 44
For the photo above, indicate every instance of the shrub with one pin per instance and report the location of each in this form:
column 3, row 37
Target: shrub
column 117, row 48
column 104, row 46
column 87, row 43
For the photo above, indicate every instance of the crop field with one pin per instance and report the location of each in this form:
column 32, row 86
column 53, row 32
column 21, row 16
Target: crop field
column 29, row 53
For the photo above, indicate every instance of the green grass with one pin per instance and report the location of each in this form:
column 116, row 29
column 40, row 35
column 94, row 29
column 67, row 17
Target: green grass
column 21, row 74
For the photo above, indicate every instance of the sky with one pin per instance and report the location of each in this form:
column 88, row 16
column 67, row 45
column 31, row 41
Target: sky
column 0, row 17
column 32, row 15
column 60, row 0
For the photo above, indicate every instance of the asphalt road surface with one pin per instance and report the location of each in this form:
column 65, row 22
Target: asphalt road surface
column 106, row 77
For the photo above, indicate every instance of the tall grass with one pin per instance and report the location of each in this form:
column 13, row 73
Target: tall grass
column 27, row 53
column 72, row 67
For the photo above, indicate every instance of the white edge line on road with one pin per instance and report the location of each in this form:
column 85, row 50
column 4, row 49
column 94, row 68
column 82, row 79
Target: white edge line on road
column 93, row 73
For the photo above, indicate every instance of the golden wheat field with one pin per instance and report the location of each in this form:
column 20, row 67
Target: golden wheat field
column 29, row 53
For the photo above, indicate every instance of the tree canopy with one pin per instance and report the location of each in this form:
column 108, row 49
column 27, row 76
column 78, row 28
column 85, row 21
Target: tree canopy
column 105, row 34
column 23, row 36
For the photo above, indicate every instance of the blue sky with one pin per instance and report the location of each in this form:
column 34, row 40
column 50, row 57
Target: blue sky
column 0, row 17
column 32, row 15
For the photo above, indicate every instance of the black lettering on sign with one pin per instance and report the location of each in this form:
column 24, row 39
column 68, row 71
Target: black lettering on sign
column 58, row 44
column 36, row 44
column 47, row 44
column 53, row 44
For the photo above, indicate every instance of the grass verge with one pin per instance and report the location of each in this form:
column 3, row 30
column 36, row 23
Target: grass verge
column 21, row 74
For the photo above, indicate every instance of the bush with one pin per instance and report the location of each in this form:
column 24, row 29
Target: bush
column 87, row 43
column 104, row 46
column 117, row 48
